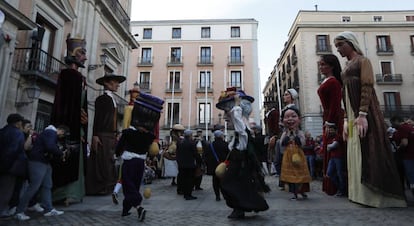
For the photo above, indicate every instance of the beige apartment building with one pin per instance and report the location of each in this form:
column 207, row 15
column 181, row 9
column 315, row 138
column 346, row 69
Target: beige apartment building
column 32, row 53
column 189, row 62
column 386, row 38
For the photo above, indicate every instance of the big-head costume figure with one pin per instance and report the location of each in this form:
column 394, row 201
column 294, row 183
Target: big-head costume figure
column 70, row 109
column 134, row 146
column 243, row 180
column 101, row 173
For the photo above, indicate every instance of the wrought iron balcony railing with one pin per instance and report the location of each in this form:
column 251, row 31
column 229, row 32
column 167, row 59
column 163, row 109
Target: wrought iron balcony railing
column 145, row 62
column 388, row 79
column 403, row 111
column 37, row 62
column 116, row 8
column 236, row 60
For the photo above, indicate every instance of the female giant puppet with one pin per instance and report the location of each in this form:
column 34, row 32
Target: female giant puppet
column 242, row 182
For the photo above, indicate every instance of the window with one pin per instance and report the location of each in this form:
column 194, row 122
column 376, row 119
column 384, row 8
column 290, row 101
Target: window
column 174, row 110
column 144, row 80
column 42, row 115
column 205, row 32
column 205, row 79
column 235, row 79
column 235, row 32
column 384, row 43
column 147, row 33
column 175, row 55
column 391, row 101
column 322, row 43
column 346, row 19
column 204, row 113
column 412, row 43
column 409, row 18
column 235, row 54
column 176, row 32
column 174, row 80
column 146, row 57
column 386, row 68
column 377, row 18
column 44, row 63
column 205, row 55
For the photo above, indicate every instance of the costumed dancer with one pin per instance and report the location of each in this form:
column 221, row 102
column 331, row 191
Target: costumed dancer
column 133, row 94
column 133, row 147
column 70, row 108
column 295, row 169
column 242, row 183
column 168, row 159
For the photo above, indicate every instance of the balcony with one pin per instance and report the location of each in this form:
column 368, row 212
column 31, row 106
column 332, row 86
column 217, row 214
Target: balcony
column 323, row 49
column 145, row 87
column 119, row 13
column 29, row 62
column 389, row 79
column 236, row 61
column 404, row 111
column 175, row 61
column 386, row 50
column 294, row 59
column 145, row 62
column 177, row 88
column 205, row 61
column 201, row 88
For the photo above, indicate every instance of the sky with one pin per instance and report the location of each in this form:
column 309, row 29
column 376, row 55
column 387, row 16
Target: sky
column 275, row 17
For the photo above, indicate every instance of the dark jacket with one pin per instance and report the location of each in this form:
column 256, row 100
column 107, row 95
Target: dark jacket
column 133, row 140
column 11, row 147
column 221, row 149
column 46, row 147
column 186, row 154
column 105, row 114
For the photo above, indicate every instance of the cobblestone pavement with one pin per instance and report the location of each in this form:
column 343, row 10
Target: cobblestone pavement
column 165, row 207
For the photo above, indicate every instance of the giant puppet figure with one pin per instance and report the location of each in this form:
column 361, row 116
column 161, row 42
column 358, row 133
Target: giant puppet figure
column 70, row 109
column 242, row 182
column 101, row 173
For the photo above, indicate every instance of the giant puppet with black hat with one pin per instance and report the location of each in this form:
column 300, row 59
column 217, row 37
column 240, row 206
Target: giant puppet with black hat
column 242, row 179
column 134, row 146
column 70, row 108
column 101, row 173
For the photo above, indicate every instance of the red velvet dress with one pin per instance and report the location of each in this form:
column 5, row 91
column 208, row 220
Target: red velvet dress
column 330, row 95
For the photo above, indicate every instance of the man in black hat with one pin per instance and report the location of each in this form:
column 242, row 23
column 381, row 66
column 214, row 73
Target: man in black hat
column 12, row 149
column 70, row 108
column 101, row 173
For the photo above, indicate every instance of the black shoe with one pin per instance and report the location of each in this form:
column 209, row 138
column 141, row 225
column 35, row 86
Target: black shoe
column 125, row 213
column 173, row 183
column 198, row 188
column 218, row 198
column 236, row 214
column 190, row 197
column 141, row 213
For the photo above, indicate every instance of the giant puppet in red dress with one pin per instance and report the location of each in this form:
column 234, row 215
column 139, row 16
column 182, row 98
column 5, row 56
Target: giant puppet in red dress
column 330, row 94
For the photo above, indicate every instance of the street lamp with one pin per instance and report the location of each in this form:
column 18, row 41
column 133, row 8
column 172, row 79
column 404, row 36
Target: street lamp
column 219, row 117
column 32, row 92
column 103, row 57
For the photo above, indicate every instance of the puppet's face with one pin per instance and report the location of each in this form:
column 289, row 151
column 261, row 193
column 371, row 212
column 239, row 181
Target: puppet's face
column 291, row 120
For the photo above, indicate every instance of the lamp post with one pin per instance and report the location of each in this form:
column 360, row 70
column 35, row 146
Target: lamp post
column 103, row 58
column 219, row 117
column 32, row 92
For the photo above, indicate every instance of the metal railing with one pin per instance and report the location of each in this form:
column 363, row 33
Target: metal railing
column 120, row 14
column 145, row 61
column 388, row 78
column 37, row 62
column 403, row 111
column 236, row 60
